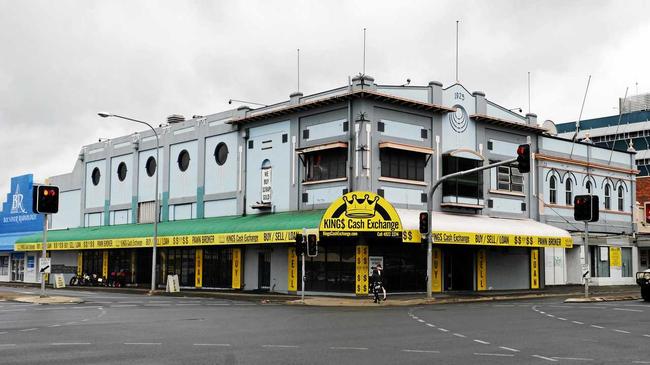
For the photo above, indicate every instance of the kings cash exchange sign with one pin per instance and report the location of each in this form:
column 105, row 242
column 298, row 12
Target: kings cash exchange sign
column 361, row 212
column 16, row 214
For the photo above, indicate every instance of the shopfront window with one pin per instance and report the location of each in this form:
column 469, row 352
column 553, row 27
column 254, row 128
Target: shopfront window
column 4, row 265
column 93, row 262
column 401, row 164
column 217, row 267
column 119, row 266
column 599, row 261
column 179, row 261
column 326, row 164
column 465, row 189
column 332, row 270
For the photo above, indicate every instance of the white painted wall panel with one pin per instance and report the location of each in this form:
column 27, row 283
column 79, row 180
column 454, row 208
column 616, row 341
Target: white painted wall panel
column 121, row 191
column 221, row 179
column 402, row 130
column 69, row 214
column 183, row 183
column 146, row 183
column 324, row 195
column 403, row 196
column 95, row 193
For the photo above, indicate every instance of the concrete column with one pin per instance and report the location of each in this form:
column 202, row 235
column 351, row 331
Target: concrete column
column 481, row 103
column 435, row 92
column 532, row 119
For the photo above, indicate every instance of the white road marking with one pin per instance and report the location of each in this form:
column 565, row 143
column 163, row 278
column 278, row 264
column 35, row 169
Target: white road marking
column 212, row 344
column 70, row 323
column 550, row 315
column 595, row 326
column 443, row 330
column 628, row 310
column 431, row 325
column 508, row 349
column 123, row 305
column 578, row 322
column 643, row 335
column 542, row 312
column 69, row 343
column 561, row 319
column 423, row 351
column 544, row 358
column 157, row 305
column 621, row 331
column 142, row 343
column 572, row 358
column 85, row 320
column 414, row 317
column 184, row 304
column 54, row 325
column 28, row 329
column 640, row 362
column 488, row 354
column 419, row 320
column 348, row 348
column 483, row 342
column 281, row 346
column 459, row 335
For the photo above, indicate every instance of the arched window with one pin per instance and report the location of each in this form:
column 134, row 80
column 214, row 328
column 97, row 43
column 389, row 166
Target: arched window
column 552, row 184
column 608, row 196
column 588, row 187
column 620, row 198
column 568, row 192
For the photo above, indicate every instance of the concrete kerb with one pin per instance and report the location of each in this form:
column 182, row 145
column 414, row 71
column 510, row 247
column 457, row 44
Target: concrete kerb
column 603, row 299
column 35, row 299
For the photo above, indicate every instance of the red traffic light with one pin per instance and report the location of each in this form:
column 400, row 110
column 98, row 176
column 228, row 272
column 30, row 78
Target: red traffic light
column 45, row 199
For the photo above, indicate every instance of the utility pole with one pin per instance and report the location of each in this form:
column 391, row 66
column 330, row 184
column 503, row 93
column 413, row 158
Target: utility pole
column 302, row 294
column 585, row 264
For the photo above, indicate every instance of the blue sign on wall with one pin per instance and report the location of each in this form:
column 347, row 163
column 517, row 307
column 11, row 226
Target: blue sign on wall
column 16, row 214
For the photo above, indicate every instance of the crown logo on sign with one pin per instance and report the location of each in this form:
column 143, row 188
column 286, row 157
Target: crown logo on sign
column 360, row 208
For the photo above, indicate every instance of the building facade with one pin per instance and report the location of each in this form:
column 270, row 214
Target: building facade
column 352, row 165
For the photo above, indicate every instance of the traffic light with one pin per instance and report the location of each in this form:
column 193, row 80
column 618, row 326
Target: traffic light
column 45, row 199
column 585, row 208
column 523, row 158
column 300, row 244
column 312, row 245
column 424, row 222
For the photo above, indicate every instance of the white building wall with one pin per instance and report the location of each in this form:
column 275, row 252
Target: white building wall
column 146, row 183
column 68, row 215
column 221, row 178
column 183, row 183
column 121, row 191
column 95, row 193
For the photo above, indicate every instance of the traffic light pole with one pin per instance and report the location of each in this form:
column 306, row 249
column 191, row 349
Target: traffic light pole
column 430, row 211
column 43, row 254
column 302, row 294
column 585, row 247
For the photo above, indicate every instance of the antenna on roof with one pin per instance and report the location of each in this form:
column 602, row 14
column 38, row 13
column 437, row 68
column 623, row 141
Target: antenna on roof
column 457, row 21
column 364, row 52
column 528, row 91
column 579, row 117
column 298, row 70
column 620, row 115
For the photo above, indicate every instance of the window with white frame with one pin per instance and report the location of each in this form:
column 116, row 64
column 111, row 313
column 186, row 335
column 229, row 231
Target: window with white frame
column 552, row 186
column 608, row 196
column 509, row 179
column 620, row 198
column 568, row 191
column 4, row 265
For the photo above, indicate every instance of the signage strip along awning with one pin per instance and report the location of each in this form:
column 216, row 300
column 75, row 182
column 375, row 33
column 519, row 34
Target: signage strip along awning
column 235, row 230
column 485, row 231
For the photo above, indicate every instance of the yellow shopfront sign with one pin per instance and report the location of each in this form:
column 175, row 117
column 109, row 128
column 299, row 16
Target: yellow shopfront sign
column 360, row 212
column 490, row 239
column 169, row 241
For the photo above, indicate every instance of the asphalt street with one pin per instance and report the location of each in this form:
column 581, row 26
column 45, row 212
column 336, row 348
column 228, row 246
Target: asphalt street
column 112, row 328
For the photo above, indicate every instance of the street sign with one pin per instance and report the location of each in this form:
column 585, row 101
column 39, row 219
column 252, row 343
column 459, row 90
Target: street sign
column 45, row 266
column 59, row 281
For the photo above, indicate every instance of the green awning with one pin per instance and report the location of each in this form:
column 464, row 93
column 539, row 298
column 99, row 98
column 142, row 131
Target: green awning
column 257, row 228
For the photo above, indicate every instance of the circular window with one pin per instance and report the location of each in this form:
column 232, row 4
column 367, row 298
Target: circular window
column 150, row 166
column 95, row 176
column 121, row 171
column 183, row 160
column 221, row 153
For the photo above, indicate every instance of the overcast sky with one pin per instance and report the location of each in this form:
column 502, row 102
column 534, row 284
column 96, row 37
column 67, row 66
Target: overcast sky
column 63, row 61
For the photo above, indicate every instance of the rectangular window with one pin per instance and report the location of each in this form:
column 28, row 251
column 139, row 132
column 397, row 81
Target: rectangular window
column 326, row 164
column 4, row 265
column 599, row 261
column 509, row 179
column 401, row 164
column 467, row 189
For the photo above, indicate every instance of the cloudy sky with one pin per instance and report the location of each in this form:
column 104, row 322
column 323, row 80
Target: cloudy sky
column 63, row 61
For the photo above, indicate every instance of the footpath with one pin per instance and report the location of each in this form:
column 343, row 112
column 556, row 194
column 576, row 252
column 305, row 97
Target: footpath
column 571, row 293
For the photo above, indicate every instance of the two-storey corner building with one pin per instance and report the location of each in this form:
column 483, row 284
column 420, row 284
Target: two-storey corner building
column 352, row 165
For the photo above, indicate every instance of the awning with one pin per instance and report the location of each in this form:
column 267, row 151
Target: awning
column 487, row 231
column 7, row 240
column 406, row 147
column 233, row 230
column 321, row 147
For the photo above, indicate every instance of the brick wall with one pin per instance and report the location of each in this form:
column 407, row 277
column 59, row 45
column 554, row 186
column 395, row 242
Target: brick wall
column 643, row 189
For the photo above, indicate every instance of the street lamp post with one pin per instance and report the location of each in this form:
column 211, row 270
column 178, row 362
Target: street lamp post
column 157, row 208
